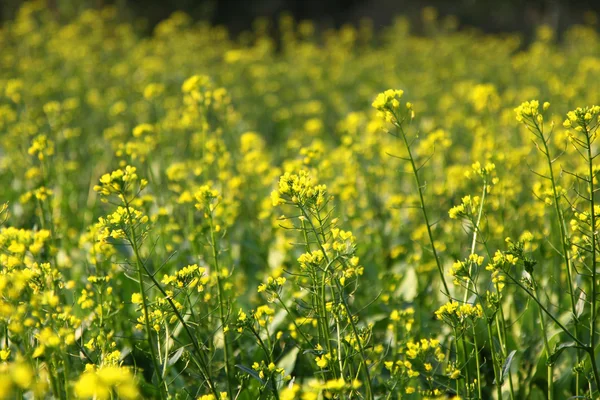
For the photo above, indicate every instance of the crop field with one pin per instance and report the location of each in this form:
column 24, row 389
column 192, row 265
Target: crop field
column 296, row 213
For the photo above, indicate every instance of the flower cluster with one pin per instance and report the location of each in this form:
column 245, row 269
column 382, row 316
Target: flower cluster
column 388, row 106
column 467, row 208
column 20, row 377
column 458, row 315
column 120, row 182
column 583, row 119
column 299, row 189
column 190, row 277
column 529, row 112
column 142, row 208
column 106, row 382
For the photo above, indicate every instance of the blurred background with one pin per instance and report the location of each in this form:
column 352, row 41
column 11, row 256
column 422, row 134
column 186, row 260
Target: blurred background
column 491, row 16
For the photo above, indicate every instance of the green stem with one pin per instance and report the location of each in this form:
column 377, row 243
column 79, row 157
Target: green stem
column 592, row 355
column 547, row 349
column 548, row 313
column 321, row 300
column 339, row 347
column 149, row 336
column 360, row 346
column 199, row 360
column 477, row 363
column 54, row 381
column 564, row 241
column 464, row 362
column 66, row 376
column 494, row 361
column 474, row 241
column 221, row 311
column 594, row 315
column 268, row 355
column 423, row 209
column 505, row 350
column 369, row 393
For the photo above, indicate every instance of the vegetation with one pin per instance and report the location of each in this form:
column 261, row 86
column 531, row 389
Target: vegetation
column 189, row 215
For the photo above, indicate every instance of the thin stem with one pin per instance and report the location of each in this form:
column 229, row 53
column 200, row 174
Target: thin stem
column 54, row 381
column 203, row 366
column 141, row 266
column 339, row 347
column 592, row 355
column 359, row 343
column 149, row 336
column 308, row 342
column 464, row 363
column 369, row 394
column 494, row 361
column 477, row 363
column 474, row 240
column 556, row 321
column 563, row 238
column 215, row 255
column 594, row 315
column 322, row 303
column 547, row 349
column 267, row 352
column 504, row 349
column 423, row 208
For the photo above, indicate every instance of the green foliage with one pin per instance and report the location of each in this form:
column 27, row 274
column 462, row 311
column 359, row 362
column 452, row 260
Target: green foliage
column 191, row 216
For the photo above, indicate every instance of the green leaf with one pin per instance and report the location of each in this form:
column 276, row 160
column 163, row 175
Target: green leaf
column 288, row 362
column 175, row 357
column 250, row 372
column 579, row 307
column 507, row 362
column 410, row 285
column 559, row 349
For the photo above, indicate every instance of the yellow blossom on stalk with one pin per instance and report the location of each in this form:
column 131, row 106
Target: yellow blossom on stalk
column 455, row 313
column 252, row 123
column 206, row 197
column 264, row 315
column 120, row 182
column 388, row 107
column 299, row 189
column 529, row 111
column 272, row 284
column 312, row 259
column 103, row 382
column 4, row 354
column 18, row 377
column 290, row 392
column 136, row 298
column 453, row 372
column 153, row 90
column 42, row 147
column 222, row 396
column 142, row 129
column 324, row 359
column 582, row 120
column 468, row 207
column 189, row 277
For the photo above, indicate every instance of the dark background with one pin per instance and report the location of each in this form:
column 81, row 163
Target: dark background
column 488, row 15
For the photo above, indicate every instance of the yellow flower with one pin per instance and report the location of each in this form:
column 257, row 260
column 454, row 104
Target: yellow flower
column 290, row 392
column 4, row 354
column 22, row 375
column 322, row 361
column 136, row 298
column 100, row 383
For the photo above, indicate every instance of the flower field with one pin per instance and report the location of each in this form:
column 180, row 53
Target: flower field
column 192, row 215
